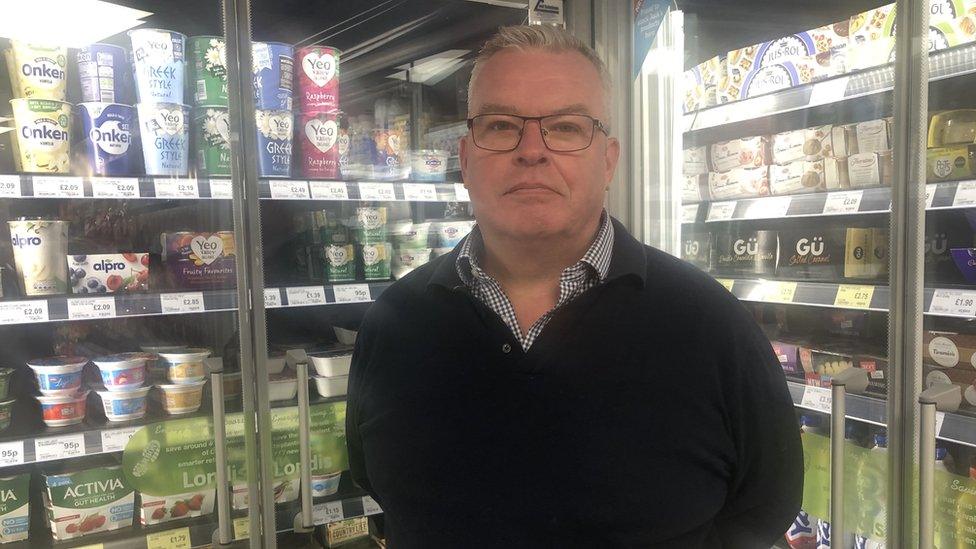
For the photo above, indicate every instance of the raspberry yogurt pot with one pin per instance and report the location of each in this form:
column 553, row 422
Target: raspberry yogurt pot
column 58, row 375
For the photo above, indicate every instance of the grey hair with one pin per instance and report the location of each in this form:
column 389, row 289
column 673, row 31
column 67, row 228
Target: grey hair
column 545, row 37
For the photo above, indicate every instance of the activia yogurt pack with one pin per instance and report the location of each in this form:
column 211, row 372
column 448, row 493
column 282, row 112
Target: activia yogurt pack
column 88, row 501
column 14, row 507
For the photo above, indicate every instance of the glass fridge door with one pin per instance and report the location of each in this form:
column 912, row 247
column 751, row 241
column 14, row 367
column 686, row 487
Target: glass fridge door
column 121, row 274
column 358, row 108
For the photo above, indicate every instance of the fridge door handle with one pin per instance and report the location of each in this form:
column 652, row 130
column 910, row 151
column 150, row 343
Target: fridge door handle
column 224, row 534
column 940, row 397
column 304, row 521
column 854, row 380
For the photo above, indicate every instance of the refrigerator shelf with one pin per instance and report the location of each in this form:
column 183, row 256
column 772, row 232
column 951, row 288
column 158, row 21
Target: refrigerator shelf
column 942, row 65
column 305, row 296
column 127, row 188
column 386, row 191
column 950, row 427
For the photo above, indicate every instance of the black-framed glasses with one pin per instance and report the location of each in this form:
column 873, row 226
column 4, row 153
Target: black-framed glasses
column 560, row 132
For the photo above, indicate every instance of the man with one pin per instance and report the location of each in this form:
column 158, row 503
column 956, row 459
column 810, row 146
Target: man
column 552, row 382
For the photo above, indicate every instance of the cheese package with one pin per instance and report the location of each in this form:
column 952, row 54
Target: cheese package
column 694, row 188
column 964, row 379
column 749, row 152
column 870, row 169
column 950, row 163
column 739, row 183
column 800, row 176
column 820, row 365
column 949, row 349
column 835, row 173
column 811, row 254
column 873, row 136
column 747, row 252
column 695, row 161
column 696, row 247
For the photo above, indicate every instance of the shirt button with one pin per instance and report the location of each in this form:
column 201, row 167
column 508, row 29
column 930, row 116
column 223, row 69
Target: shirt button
column 506, row 348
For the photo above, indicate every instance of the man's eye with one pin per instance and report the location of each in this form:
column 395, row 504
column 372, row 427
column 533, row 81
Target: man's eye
column 566, row 128
column 501, row 125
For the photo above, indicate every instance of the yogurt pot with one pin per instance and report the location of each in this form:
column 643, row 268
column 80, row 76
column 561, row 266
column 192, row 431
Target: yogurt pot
column 43, row 129
column 346, row 337
column 211, row 137
column 184, row 398
column 450, row 233
column 318, row 79
column 282, row 386
column 124, row 405
column 123, row 371
column 406, row 260
column 329, row 387
column 340, row 262
column 61, row 410
column 6, row 412
column 40, row 248
column 159, row 60
column 376, row 258
column 411, row 235
column 276, row 362
column 319, row 145
column 207, row 66
column 332, row 363
column 273, row 73
column 58, row 375
column 429, row 165
column 370, row 224
column 325, row 485
column 165, row 135
column 5, row 375
column 109, row 133
column 274, row 142
column 103, row 71
column 185, row 367
column 233, row 385
column 37, row 71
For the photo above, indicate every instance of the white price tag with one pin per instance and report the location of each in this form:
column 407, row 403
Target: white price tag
column 184, row 302
column 953, row 303
column 177, row 188
column 116, row 439
column 828, row 91
column 86, row 308
column 420, row 192
column 10, row 186
column 58, row 187
column 768, row 208
column 461, row 192
column 325, row 513
column 221, row 188
column 19, row 312
column 376, row 191
column 329, row 190
column 123, row 187
column 930, row 195
column 847, row 202
column 352, row 293
column 816, row 398
column 305, row 295
column 46, row 449
column 272, row 298
column 286, row 189
column 12, row 453
column 965, row 194
column 370, row 507
column 721, row 211
column 939, row 420
column 689, row 213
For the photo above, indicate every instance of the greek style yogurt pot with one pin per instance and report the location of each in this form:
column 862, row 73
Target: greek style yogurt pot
column 429, row 165
column 5, row 375
column 124, row 405
column 58, row 375
column 411, row 235
column 450, row 233
column 123, row 371
column 406, row 260
column 182, row 398
column 185, row 366
column 325, row 485
column 61, row 410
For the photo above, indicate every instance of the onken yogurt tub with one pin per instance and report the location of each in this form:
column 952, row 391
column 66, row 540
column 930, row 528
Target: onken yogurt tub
column 123, row 371
column 182, row 398
column 63, row 410
column 124, row 405
column 58, row 375
column 185, row 366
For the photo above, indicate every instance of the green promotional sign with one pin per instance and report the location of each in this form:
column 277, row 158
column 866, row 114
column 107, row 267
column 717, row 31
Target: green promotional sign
column 177, row 456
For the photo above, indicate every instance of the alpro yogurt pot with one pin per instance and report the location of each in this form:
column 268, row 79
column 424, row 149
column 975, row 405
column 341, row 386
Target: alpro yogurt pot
column 39, row 247
column 159, row 59
column 109, row 134
column 318, row 79
column 43, row 133
column 274, row 143
column 58, row 411
column 103, row 70
column 319, row 145
column 124, row 405
column 185, row 366
column 273, row 74
column 165, row 135
column 123, row 371
column 429, row 165
column 58, row 375
column 211, row 137
column 37, row 71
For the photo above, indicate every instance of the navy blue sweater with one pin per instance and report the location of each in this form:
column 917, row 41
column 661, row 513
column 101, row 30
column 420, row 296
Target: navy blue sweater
column 651, row 412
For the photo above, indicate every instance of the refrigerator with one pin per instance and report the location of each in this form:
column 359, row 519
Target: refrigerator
column 201, row 200
column 817, row 163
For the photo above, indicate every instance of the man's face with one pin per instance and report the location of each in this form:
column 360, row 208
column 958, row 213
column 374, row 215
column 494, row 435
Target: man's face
column 533, row 192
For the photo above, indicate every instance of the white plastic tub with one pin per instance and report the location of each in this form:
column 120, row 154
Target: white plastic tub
column 331, row 363
column 325, row 485
column 123, row 371
column 276, row 363
column 62, row 410
column 346, row 337
column 282, row 389
column 186, row 366
column 331, row 386
column 58, row 375
column 182, row 398
column 124, row 405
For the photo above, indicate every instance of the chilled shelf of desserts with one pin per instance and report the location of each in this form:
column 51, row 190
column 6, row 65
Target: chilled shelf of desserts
column 847, row 59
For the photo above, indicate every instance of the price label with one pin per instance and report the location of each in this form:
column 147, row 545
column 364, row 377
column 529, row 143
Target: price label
column 242, row 528
column 779, row 292
column 12, row 453
column 58, row 187
column 10, row 186
column 116, row 439
column 284, row 189
column 329, row 190
column 851, row 296
column 20, row 312
column 689, row 213
column 125, row 187
column 420, row 192
column 828, row 91
column 727, row 282
column 720, row 211
column 325, row 513
column 177, row 188
column 87, row 308
column 847, row 202
column 352, row 293
column 305, row 295
column 46, row 449
column 939, row 420
column 965, row 194
column 185, row 302
column 370, row 507
column 377, row 191
column 768, row 208
column 221, row 188
column 272, row 298
column 930, row 195
column 461, row 192
column 178, row 538
column 953, row 303
column 816, row 398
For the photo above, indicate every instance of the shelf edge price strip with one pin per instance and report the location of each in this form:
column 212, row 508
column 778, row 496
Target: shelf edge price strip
column 305, row 295
column 329, row 190
column 177, row 538
column 965, row 194
column 12, row 453
column 376, row 191
column 461, row 193
column 287, row 189
column 10, row 186
column 88, row 308
column 779, row 292
column 850, row 296
column 689, row 213
column 953, row 303
column 352, row 293
column 123, row 187
column 60, row 447
column 727, row 282
column 272, row 298
column 183, row 302
column 221, row 188
column 59, row 187
column 325, row 513
column 176, row 188
column 370, row 507
column 419, row 192
column 19, row 312
column 816, row 398
column 721, row 211
column 847, row 202
column 114, row 440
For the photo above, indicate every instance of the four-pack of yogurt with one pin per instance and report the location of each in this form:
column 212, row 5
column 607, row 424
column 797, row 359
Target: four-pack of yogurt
column 87, row 501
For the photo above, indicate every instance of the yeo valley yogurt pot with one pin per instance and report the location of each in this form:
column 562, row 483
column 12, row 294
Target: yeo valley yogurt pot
column 274, row 143
column 159, row 60
column 43, row 132
column 58, row 375
column 165, row 134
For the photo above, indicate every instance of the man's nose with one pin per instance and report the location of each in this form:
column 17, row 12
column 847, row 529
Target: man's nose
column 532, row 148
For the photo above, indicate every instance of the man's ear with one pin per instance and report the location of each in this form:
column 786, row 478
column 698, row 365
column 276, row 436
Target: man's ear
column 611, row 157
column 463, row 158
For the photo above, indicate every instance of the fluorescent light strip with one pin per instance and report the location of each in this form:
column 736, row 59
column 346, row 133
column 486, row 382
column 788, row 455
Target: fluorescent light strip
column 72, row 23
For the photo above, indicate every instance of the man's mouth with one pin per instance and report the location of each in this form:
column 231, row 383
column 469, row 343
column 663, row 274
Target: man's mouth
column 529, row 188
